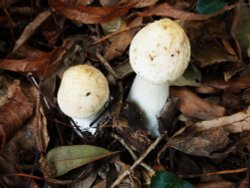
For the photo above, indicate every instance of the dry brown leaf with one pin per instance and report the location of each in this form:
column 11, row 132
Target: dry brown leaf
column 145, row 3
column 40, row 64
column 164, row 9
column 239, row 83
column 245, row 183
column 89, row 14
column 120, row 42
column 236, row 123
column 209, row 53
column 192, row 105
column 31, row 28
column 216, row 184
column 199, row 143
column 15, row 109
column 199, row 138
column 248, row 49
column 122, row 70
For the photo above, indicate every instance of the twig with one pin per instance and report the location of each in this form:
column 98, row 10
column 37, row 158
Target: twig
column 137, row 162
column 107, row 65
column 116, row 33
column 122, row 141
column 216, row 173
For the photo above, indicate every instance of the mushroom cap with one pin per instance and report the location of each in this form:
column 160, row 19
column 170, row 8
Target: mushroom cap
column 83, row 91
column 160, row 52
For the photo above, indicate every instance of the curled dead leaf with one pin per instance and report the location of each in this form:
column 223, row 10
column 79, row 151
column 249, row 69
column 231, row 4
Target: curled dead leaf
column 31, row 27
column 40, row 64
column 192, row 105
column 199, row 138
column 89, row 14
column 167, row 10
column 120, row 42
column 15, row 109
column 216, row 184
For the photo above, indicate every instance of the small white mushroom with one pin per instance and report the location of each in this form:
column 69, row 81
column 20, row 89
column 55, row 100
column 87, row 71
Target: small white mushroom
column 82, row 94
column 159, row 53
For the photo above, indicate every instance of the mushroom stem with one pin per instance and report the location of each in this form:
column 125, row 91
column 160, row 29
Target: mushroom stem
column 150, row 99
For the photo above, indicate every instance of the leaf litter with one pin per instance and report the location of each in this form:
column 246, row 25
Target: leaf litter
column 204, row 124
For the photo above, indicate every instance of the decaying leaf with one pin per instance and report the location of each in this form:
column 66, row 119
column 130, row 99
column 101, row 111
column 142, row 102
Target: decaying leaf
column 89, row 14
column 66, row 158
column 239, row 83
column 199, row 138
column 210, row 53
column 86, row 183
column 145, row 3
column 122, row 70
column 31, row 27
column 192, row 105
column 41, row 63
column 248, row 49
column 15, row 109
column 198, row 143
column 216, row 184
column 191, row 77
column 120, row 42
column 131, row 128
column 241, row 27
column 167, row 10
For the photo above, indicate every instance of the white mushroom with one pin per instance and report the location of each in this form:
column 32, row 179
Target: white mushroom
column 159, row 53
column 82, row 94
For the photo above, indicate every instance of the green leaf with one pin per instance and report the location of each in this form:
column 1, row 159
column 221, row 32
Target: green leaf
column 66, row 158
column 163, row 179
column 210, row 6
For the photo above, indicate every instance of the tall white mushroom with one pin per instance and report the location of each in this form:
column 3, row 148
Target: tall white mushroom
column 159, row 53
column 82, row 94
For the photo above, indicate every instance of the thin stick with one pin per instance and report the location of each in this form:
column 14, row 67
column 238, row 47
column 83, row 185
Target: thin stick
column 137, row 162
column 216, row 173
column 117, row 33
column 107, row 65
column 122, row 141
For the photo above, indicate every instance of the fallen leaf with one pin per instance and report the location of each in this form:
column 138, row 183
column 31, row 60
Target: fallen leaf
column 131, row 128
column 199, row 143
column 209, row 53
column 31, row 28
column 235, row 123
column 192, row 105
column 86, row 183
column 89, row 14
column 166, row 10
column 239, row 83
column 40, row 64
column 15, row 109
column 216, row 184
column 198, row 139
column 120, row 42
column 248, row 49
column 191, row 77
column 232, row 100
column 241, row 27
column 245, row 182
column 145, row 3
column 66, row 158
column 123, row 70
